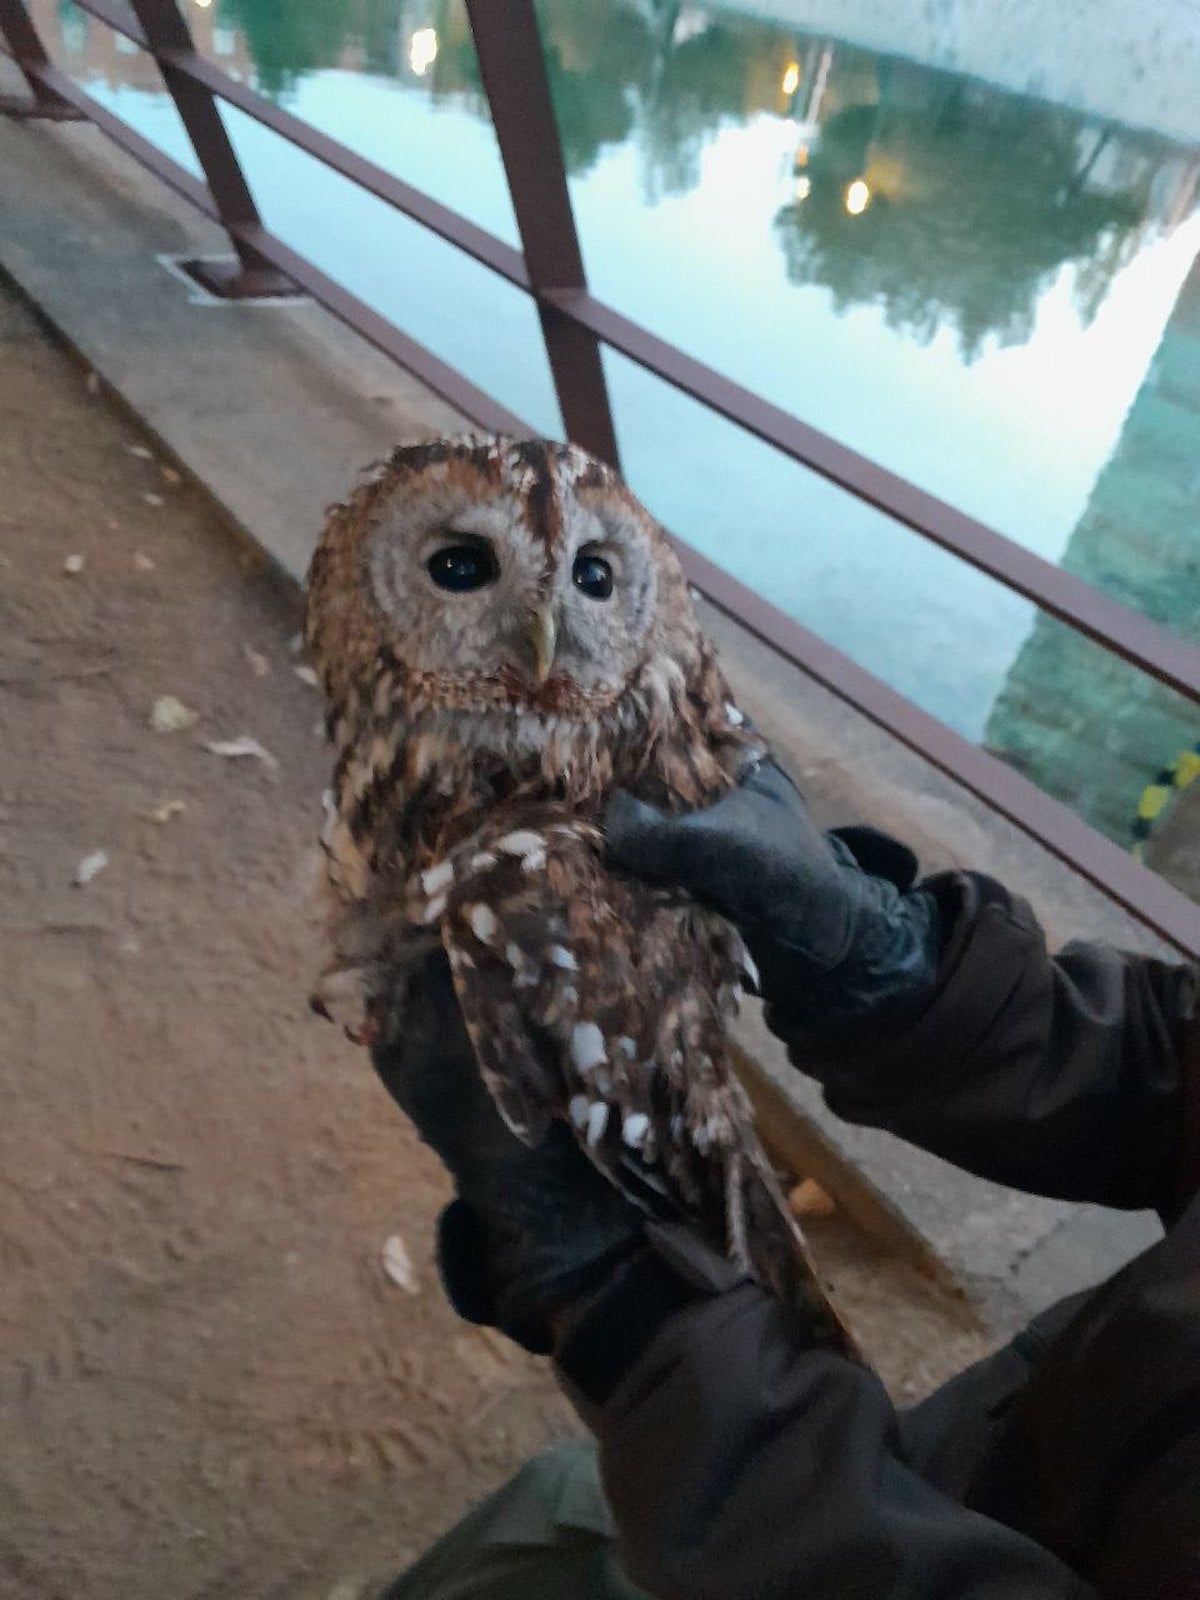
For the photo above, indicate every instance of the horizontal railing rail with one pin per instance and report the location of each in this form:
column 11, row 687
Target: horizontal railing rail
column 575, row 324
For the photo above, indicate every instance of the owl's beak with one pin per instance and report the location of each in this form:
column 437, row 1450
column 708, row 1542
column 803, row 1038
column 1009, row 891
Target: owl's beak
column 542, row 633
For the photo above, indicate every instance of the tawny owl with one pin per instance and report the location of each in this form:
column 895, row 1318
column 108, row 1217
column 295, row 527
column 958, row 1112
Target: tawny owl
column 504, row 636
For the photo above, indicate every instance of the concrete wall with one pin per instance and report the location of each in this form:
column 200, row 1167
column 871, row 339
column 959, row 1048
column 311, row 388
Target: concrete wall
column 1135, row 62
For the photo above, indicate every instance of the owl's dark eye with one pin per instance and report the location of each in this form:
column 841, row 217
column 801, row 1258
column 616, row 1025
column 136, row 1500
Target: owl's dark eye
column 463, row 566
column 592, row 575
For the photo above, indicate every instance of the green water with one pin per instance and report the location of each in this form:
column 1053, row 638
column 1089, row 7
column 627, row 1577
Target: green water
column 979, row 290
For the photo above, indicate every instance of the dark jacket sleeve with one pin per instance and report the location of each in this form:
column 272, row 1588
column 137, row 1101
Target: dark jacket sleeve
column 738, row 1463
column 1059, row 1074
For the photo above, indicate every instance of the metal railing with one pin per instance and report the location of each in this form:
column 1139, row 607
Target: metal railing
column 575, row 325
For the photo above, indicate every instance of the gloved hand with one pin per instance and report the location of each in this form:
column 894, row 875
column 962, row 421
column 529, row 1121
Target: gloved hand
column 832, row 942
column 532, row 1230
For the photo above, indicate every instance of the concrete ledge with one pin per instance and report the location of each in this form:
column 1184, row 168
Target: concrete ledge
column 274, row 409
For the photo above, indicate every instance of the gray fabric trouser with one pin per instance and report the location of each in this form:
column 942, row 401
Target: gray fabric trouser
column 544, row 1535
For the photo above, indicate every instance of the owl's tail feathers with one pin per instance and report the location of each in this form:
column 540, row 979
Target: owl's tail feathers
column 780, row 1259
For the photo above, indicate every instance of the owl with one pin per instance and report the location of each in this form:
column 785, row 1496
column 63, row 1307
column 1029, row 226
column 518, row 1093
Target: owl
column 504, row 636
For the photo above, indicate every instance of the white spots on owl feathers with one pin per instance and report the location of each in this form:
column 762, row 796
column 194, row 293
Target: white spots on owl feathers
column 750, row 970
column 733, row 714
column 559, row 956
column 587, row 1047
column 577, row 1109
column 434, row 909
column 438, row 877
column 597, row 1121
column 483, row 924
column 635, row 1128
column 329, row 818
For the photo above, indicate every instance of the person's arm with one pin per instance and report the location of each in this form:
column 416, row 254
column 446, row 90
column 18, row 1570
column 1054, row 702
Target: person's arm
column 739, row 1463
column 1061, row 1074
column 934, row 1010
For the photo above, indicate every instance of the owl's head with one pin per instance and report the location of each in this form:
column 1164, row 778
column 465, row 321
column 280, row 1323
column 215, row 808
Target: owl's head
column 516, row 594
column 522, row 576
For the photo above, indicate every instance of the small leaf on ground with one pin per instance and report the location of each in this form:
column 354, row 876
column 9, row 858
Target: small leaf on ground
column 243, row 745
column 169, row 715
column 89, row 867
column 398, row 1265
column 164, row 813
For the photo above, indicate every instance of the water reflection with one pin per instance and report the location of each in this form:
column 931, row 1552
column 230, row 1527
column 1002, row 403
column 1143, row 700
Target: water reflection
column 946, row 203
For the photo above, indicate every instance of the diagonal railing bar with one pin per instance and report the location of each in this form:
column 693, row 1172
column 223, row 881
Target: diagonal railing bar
column 509, row 47
column 17, row 30
column 165, row 31
column 575, row 325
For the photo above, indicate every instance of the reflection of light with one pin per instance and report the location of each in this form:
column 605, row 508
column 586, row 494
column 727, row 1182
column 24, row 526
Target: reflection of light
column 791, row 78
column 422, row 50
column 800, row 159
column 803, row 187
column 204, row 4
column 858, row 197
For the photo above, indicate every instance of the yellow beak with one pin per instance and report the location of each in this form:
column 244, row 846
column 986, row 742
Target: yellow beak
column 542, row 633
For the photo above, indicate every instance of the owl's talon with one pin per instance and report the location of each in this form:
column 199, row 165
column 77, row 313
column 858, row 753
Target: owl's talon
column 365, row 1033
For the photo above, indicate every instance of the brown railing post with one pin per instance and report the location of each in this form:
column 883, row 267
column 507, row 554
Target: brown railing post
column 509, row 47
column 20, row 35
column 167, row 37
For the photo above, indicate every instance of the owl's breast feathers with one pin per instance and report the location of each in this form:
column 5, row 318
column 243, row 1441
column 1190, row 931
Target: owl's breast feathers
column 417, row 772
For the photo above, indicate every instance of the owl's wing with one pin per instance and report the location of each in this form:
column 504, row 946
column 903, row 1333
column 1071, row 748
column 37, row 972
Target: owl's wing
column 605, row 1003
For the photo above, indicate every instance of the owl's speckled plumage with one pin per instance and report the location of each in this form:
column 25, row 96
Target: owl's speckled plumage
column 479, row 735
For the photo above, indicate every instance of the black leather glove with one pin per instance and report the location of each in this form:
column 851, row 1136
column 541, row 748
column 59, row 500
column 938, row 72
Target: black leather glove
column 532, row 1229
column 832, row 942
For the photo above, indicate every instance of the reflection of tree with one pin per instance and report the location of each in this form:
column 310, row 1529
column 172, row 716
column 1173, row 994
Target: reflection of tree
column 593, row 61
column 287, row 39
column 694, row 87
column 975, row 204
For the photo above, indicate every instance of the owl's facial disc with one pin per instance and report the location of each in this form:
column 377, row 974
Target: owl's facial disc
column 477, row 595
